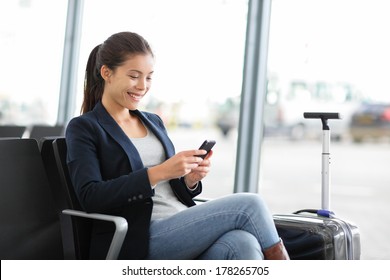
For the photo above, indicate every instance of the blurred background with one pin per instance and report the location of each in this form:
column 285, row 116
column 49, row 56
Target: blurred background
column 323, row 55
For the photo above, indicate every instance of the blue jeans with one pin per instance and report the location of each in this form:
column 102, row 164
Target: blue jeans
column 237, row 226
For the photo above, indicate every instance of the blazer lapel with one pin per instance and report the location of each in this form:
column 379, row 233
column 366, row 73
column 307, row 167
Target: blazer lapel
column 114, row 130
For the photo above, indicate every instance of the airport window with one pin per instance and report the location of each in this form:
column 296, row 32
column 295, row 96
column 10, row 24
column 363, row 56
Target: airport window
column 31, row 43
column 334, row 55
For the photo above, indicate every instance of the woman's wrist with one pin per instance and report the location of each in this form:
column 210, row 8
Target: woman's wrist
column 190, row 185
column 155, row 176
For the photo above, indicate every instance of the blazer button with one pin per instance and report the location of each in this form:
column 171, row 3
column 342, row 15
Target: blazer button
column 129, row 199
column 140, row 196
column 134, row 198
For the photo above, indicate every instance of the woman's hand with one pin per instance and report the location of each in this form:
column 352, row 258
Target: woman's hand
column 179, row 165
column 199, row 172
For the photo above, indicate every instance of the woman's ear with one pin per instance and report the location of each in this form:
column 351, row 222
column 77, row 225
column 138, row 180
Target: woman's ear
column 105, row 72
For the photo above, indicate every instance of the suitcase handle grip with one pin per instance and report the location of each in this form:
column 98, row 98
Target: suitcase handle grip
column 319, row 212
column 313, row 211
column 319, row 115
column 323, row 116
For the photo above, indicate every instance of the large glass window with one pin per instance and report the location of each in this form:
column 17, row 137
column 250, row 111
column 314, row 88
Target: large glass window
column 199, row 48
column 31, row 43
column 330, row 55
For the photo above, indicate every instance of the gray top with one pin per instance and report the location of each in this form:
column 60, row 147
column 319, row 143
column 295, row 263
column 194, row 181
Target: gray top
column 165, row 202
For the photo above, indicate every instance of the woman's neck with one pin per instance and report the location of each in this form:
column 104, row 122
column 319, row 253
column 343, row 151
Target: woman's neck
column 119, row 113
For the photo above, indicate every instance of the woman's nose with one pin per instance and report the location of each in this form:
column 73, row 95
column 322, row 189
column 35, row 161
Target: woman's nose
column 141, row 84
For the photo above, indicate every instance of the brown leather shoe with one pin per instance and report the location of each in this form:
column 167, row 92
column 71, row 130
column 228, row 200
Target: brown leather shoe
column 276, row 252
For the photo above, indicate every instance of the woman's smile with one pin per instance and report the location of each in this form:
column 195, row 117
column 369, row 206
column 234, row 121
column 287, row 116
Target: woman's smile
column 135, row 97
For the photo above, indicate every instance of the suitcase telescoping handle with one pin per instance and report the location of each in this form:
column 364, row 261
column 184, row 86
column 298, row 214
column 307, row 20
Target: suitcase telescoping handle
column 325, row 192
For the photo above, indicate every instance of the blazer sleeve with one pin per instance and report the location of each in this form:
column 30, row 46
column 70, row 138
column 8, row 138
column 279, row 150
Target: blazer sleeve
column 88, row 145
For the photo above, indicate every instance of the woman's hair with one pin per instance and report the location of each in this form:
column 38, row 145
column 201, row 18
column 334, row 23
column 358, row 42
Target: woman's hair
column 113, row 53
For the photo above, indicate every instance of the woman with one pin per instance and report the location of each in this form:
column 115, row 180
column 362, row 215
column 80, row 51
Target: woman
column 122, row 162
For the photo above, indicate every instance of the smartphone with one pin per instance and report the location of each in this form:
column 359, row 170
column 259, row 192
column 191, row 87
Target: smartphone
column 206, row 145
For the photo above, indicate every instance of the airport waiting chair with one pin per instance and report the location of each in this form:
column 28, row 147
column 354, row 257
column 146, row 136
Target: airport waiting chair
column 29, row 223
column 60, row 198
column 39, row 131
column 12, row 131
column 80, row 220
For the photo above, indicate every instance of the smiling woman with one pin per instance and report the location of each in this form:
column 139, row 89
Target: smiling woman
column 105, row 73
column 134, row 76
column 122, row 162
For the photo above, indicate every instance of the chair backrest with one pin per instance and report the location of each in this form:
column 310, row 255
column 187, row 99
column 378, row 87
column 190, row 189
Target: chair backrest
column 81, row 227
column 11, row 131
column 53, row 175
column 29, row 221
column 60, row 154
column 60, row 195
column 39, row 131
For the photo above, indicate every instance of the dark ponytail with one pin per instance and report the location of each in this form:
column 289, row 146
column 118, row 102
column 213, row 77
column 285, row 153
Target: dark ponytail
column 93, row 83
column 112, row 53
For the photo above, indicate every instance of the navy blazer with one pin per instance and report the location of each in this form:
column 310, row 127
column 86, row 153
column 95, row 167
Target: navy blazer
column 109, row 177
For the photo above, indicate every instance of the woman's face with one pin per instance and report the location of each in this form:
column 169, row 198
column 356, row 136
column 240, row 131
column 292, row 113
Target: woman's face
column 128, row 84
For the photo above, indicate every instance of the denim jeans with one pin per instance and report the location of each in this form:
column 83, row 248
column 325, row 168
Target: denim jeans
column 237, row 226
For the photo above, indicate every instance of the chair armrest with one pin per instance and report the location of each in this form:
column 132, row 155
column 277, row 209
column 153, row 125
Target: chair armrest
column 120, row 229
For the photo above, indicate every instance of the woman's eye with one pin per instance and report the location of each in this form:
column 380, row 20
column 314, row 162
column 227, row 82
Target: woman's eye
column 133, row 77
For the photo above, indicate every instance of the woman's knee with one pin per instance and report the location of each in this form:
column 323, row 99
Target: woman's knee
column 253, row 201
column 235, row 244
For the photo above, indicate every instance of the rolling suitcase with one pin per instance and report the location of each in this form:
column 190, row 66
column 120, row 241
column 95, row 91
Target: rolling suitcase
column 318, row 234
